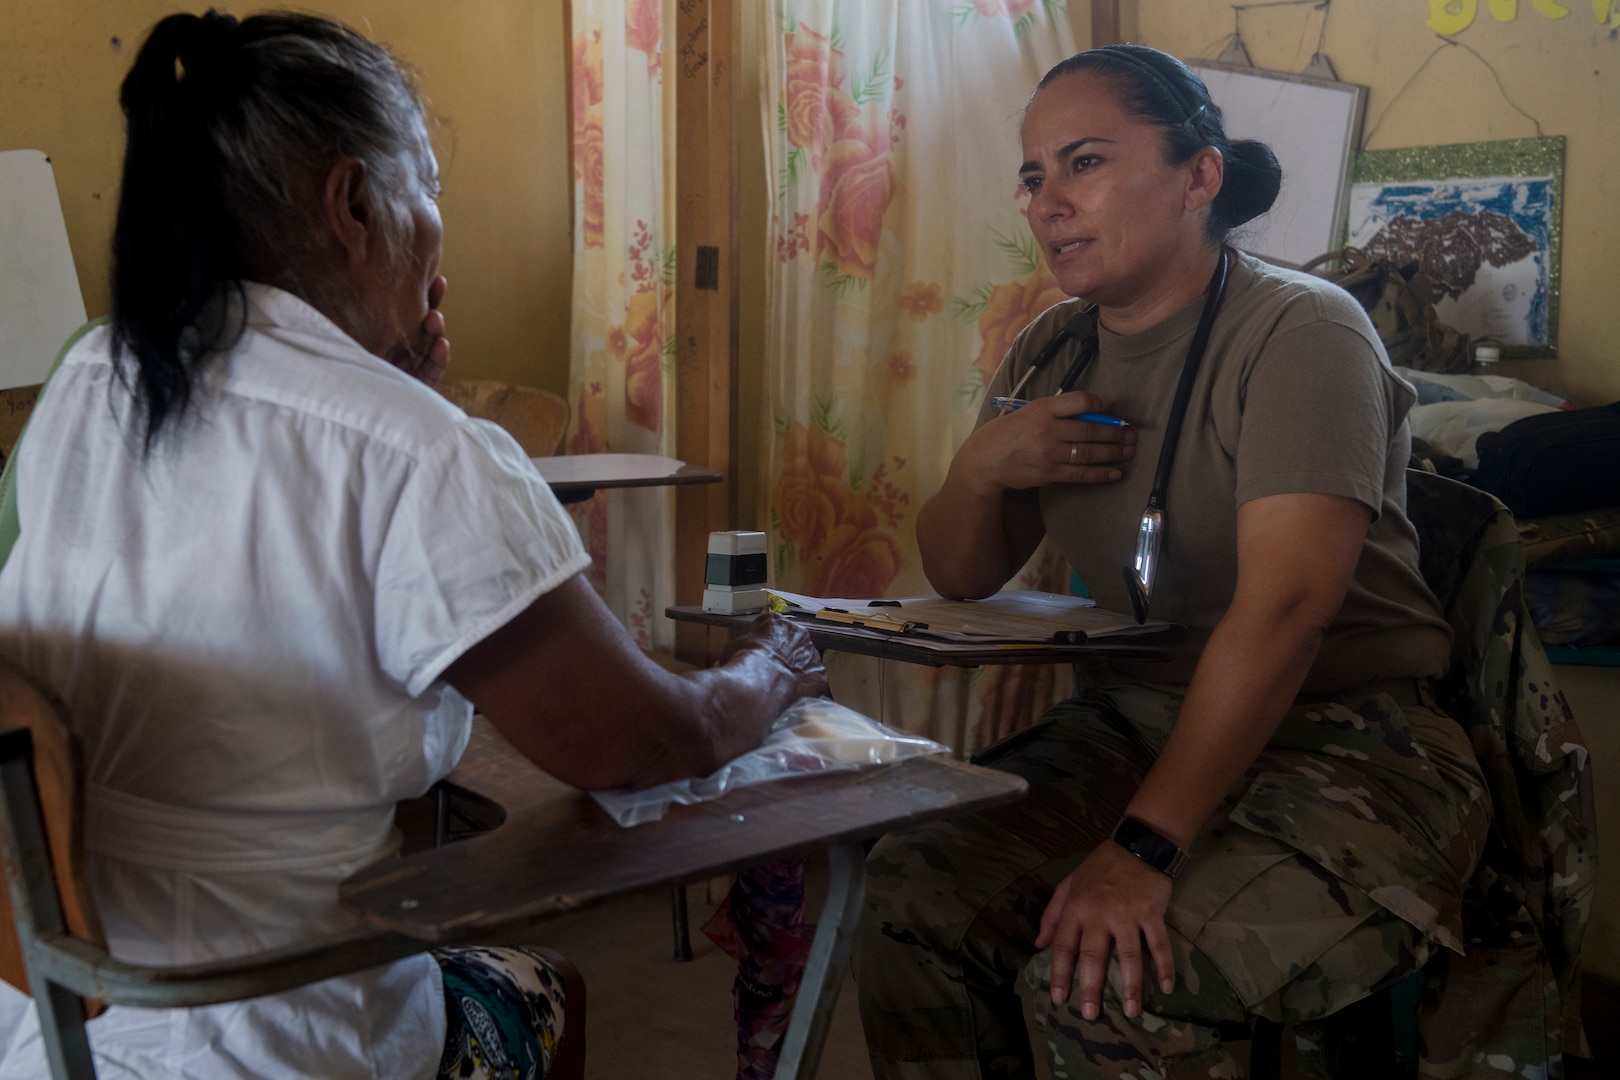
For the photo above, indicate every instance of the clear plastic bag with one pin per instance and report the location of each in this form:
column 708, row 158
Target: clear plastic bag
column 815, row 735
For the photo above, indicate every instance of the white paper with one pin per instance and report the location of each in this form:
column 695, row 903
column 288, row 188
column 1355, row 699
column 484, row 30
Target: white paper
column 40, row 304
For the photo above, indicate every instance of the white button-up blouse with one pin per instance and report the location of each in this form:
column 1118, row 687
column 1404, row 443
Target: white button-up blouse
column 248, row 626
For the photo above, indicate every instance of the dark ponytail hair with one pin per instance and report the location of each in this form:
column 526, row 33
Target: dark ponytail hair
column 1156, row 87
column 231, row 125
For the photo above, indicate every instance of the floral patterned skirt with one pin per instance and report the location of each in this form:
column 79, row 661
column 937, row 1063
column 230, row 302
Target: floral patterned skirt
column 503, row 1014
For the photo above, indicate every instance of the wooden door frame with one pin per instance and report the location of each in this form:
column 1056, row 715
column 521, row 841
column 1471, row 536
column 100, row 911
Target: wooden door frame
column 703, row 72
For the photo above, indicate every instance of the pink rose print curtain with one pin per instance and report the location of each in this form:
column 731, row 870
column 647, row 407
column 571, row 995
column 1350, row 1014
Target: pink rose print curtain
column 623, row 301
column 902, row 270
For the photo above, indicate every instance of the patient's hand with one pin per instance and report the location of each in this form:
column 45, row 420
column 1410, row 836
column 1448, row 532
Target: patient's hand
column 789, row 646
column 427, row 355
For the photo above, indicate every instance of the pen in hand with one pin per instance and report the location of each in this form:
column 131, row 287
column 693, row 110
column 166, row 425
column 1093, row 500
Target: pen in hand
column 1008, row 404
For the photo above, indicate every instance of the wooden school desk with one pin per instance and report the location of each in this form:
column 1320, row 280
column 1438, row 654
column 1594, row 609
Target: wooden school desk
column 557, row 852
column 576, row 477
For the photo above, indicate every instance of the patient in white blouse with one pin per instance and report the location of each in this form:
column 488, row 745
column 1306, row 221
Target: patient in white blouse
column 271, row 572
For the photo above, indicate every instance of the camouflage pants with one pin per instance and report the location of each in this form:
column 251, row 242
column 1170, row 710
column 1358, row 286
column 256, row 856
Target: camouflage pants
column 1272, row 916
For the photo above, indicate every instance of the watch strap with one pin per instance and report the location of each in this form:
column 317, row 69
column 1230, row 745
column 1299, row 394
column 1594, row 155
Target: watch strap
column 1146, row 844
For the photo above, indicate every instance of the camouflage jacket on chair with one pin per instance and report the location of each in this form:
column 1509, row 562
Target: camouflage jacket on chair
column 1400, row 302
column 1512, row 1004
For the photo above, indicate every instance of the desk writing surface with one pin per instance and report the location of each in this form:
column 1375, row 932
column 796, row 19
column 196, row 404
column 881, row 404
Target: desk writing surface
column 567, row 472
column 558, row 851
column 888, row 646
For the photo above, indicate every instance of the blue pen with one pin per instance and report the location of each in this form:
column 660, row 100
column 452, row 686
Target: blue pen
column 1011, row 403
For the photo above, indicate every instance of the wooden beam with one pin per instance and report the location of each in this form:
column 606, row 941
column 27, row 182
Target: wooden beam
column 1104, row 22
column 568, row 110
column 703, row 76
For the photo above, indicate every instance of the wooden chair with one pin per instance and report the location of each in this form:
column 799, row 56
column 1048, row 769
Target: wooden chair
column 536, row 418
column 51, row 944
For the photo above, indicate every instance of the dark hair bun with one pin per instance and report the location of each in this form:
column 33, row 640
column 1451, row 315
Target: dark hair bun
column 1250, row 187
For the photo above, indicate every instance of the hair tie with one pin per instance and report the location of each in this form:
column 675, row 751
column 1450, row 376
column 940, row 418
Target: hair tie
column 203, row 43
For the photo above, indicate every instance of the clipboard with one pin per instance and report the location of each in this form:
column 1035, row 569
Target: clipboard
column 1013, row 618
column 870, row 620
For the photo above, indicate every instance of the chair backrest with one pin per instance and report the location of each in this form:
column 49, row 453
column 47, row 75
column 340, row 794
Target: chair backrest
column 58, row 775
column 536, row 418
column 1468, row 554
column 1531, row 895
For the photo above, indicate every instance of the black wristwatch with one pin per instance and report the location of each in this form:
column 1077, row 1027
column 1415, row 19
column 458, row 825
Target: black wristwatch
column 1149, row 846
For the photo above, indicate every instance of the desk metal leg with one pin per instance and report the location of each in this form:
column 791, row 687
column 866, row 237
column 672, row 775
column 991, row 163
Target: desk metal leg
column 441, row 815
column 965, row 744
column 683, row 935
column 829, row 960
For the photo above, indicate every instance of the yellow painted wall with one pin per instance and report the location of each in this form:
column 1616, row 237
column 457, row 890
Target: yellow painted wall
column 1564, row 72
column 493, row 71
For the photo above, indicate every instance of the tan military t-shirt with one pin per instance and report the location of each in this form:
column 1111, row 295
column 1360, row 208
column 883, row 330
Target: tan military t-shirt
column 1295, row 394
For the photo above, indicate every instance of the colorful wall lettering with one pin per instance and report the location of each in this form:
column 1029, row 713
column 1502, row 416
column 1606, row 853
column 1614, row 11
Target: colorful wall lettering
column 1455, row 16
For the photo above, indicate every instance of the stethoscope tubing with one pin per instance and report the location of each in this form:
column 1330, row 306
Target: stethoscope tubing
column 1084, row 325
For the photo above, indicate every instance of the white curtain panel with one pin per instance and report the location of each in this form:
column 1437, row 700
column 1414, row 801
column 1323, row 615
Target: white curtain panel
column 621, row 388
column 901, row 269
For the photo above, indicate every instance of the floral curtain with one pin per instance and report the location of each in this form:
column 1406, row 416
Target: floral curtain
column 621, row 366
column 902, row 270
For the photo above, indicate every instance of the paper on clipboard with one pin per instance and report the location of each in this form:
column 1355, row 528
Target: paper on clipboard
column 1006, row 618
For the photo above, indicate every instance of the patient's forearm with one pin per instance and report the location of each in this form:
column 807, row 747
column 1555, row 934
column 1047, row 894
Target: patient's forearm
column 568, row 688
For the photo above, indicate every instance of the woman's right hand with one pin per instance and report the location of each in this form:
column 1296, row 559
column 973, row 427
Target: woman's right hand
column 984, row 523
column 787, row 645
column 1041, row 443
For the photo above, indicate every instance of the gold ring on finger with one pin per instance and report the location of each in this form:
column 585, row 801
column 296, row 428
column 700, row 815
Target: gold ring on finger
column 1074, row 453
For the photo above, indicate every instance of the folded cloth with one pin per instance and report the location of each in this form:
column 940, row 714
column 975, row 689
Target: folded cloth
column 1453, row 427
column 761, row 924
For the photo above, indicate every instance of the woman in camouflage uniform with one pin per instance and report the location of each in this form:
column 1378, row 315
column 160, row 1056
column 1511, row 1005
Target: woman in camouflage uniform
column 1277, row 820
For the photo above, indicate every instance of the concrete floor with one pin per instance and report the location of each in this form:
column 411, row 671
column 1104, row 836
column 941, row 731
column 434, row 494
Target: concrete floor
column 651, row 1017
column 654, row 1019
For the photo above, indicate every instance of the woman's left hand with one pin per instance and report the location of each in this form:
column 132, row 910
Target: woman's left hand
column 1112, row 901
column 428, row 355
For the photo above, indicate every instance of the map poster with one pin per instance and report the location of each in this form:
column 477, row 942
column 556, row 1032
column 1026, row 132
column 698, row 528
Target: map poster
column 1484, row 221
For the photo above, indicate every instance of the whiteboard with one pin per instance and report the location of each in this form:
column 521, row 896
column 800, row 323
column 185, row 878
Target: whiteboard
column 1313, row 126
column 40, row 303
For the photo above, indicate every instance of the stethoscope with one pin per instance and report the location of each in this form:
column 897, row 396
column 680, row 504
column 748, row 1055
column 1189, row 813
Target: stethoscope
column 1144, row 569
